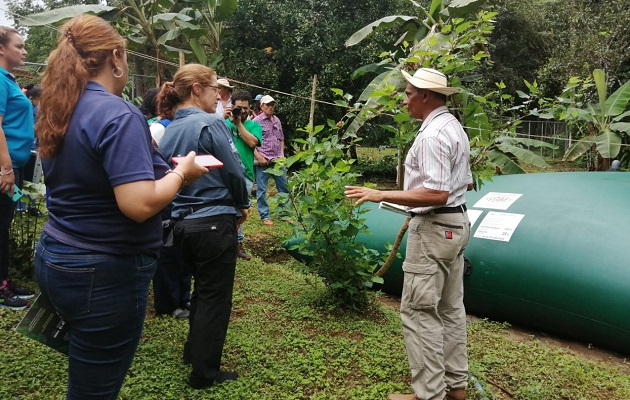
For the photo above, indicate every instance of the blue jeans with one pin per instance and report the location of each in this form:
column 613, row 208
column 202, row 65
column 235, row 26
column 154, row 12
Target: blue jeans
column 262, row 180
column 250, row 185
column 103, row 298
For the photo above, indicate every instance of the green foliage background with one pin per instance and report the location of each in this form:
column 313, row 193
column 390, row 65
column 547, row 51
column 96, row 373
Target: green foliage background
column 281, row 44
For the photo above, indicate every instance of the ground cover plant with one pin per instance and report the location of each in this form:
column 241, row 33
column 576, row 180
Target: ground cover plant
column 285, row 348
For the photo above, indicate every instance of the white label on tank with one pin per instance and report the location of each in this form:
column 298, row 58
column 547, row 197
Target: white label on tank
column 473, row 216
column 498, row 226
column 497, row 200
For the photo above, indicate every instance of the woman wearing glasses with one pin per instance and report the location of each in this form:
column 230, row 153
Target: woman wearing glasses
column 207, row 214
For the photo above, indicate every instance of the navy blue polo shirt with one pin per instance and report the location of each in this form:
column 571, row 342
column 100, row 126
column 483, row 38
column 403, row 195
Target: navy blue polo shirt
column 17, row 119
column 107, row 144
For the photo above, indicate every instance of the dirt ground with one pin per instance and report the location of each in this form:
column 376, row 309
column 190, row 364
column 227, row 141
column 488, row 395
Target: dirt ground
column 518, row 333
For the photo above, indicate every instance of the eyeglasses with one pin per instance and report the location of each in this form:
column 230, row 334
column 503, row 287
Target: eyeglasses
column 215, row 87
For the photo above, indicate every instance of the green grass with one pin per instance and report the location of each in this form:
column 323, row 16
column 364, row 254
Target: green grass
column 284, row 348
column 375, row 154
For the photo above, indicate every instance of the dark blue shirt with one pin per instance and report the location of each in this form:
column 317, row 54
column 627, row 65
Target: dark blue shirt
column 17, row 120
column 107, row 144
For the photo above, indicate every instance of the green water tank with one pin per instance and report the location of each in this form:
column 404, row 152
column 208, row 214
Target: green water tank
column 549, row 251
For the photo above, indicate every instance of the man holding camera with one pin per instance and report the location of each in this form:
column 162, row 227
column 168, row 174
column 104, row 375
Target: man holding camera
column 247, row 134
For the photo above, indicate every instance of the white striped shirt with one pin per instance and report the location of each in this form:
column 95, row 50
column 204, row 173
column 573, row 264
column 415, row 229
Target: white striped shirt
column 439, row 159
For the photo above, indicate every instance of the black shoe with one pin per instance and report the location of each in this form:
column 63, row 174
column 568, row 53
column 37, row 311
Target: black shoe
column 241, row 253
column 19, row 291
column 197, row 382
column 10, row 300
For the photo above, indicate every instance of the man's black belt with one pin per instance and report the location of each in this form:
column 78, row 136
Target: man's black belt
column 445, row 210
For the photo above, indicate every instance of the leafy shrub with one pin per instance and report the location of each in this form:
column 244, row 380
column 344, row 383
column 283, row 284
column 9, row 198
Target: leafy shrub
column 326, row 223
column 383, row 168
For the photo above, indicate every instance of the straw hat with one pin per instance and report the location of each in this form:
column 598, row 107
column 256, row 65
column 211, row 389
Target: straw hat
column 224, row 82
column 430, row 79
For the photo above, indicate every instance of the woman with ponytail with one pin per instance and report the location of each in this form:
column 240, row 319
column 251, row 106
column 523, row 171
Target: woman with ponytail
column 207, row 213
column 107, row 185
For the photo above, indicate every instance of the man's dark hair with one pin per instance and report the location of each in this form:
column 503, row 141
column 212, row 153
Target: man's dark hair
column 34, row 93
column 243, row 95
column 433, row 94
column 149, row 106
column 440, row 96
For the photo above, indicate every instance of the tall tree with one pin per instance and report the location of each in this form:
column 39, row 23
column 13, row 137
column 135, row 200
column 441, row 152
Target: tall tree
column 150, row 26
column 281, row 44
column 518, row 45
column 584, row 35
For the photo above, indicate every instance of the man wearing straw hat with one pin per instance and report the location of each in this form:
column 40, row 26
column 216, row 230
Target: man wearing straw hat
column 437, row 176
column 225, row 92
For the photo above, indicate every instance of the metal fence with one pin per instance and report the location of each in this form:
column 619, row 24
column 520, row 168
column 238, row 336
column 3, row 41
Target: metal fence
column 552, row 132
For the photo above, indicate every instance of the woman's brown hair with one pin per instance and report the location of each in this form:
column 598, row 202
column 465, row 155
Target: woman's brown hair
column 180, row 89
column 83, row 47
column 5, row 34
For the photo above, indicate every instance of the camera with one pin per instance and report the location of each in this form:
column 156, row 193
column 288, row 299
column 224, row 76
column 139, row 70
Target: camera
column 236, row 112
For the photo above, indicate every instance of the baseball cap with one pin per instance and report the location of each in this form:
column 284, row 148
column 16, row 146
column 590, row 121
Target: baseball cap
column 267, row 99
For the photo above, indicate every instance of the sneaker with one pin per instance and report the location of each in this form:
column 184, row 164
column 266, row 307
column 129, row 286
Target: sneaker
column 180, row 313
column 19, row 291
column 8, row 299
column 267, row 222
column 241, row 253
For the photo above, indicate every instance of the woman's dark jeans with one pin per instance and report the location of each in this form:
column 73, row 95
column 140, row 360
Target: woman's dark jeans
column 103, row 298
column 7, row 210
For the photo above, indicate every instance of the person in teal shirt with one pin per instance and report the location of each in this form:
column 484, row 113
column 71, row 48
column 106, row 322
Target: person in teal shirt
column 16, row 138
column 247, row 134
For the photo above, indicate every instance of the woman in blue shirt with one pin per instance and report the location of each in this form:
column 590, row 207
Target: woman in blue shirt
column 208, row 213
column 107, row 185
column 16, row 139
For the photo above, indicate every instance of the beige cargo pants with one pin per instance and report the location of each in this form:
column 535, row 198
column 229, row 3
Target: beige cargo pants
column 432, row 304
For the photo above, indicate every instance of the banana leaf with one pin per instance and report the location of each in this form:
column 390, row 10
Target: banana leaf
column 608, row 144
column 580, row 147
column 522, row 155
column 617, row 102
column 504, row 162
column 383, row 23
column 52, row 17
